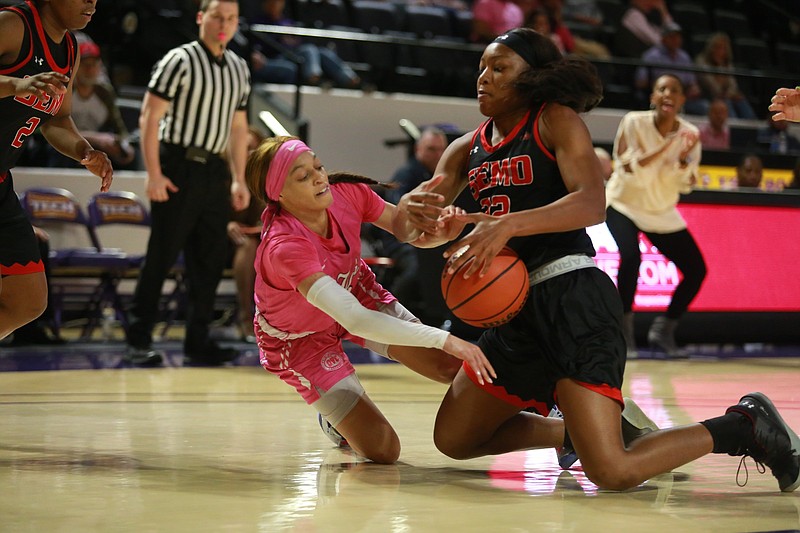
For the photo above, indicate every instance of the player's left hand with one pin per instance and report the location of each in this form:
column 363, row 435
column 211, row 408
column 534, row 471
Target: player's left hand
column 99, row 164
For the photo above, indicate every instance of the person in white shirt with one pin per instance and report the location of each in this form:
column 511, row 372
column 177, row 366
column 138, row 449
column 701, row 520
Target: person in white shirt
column 656, row 157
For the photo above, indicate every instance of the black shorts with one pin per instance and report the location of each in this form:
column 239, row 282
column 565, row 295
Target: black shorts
column 19, row 249
column 570, row 327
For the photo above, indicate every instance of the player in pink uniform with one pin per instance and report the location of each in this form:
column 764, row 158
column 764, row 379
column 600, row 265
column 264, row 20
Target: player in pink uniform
column 313, row 290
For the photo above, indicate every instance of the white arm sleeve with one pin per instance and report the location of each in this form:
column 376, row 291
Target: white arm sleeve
column 342, row 306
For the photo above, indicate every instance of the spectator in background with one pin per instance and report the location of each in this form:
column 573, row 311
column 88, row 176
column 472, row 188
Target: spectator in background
column 670, row 52
column 715, row 133
column 539, row 20
column 750, row 171
column 656, row 159
column 776, row 138
column 95, row 112
column 244, row 233
column 404, row 279
column 573, row 44
column 491, row 18
column 319, row 62
column 641, row 27
column 718, row 54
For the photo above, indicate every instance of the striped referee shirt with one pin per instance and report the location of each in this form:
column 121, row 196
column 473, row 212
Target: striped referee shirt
column 205, row 92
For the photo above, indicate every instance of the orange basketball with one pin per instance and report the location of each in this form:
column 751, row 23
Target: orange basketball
column 490, row 300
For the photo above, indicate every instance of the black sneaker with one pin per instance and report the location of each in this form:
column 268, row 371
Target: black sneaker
column 211, row 354
column 634, row 424
column 144, row 356
column 773, row 443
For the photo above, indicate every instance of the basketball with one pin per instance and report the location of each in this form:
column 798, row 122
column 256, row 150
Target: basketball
column 490, row 300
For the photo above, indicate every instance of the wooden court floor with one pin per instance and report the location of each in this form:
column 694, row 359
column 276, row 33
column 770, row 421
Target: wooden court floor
column 234, row 450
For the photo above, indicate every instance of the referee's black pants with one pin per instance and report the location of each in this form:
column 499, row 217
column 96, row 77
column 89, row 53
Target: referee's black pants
column 194, row 220
column 679, row 247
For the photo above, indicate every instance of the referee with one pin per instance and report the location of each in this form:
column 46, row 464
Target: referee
column 195, row 111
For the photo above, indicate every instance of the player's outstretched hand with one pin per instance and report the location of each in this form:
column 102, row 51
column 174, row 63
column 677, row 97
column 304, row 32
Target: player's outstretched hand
column 473, row 355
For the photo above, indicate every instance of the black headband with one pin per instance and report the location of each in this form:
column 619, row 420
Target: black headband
column 519, row 44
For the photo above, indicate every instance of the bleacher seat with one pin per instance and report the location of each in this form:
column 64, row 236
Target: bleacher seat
column 692, row 18
column 787, row 56
column 612, row 11
column 322, row 13
column 749, row 52
column 734, row 23
column 428, row 22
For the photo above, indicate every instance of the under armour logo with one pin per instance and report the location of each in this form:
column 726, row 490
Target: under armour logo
column 502, row 37
column 473, row 151
column 39, row 61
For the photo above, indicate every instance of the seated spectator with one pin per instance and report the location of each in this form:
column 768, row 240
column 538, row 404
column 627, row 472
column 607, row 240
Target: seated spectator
column 670, row 52
column 572, row 44
column 775, row 138
column 641, row 27
column 539, row 20
column 750, row 172
column 491, row 18
column 715, row 134
column 270, row 66
column 95, row 112
column 718, row 54
column 403, row 279
column 244, row 233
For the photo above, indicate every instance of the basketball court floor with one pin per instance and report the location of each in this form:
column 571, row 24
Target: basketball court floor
column 88, row 444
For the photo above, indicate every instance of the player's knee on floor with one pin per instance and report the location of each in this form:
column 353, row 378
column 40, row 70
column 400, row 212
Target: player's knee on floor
column 336, row 403
column 616, row 476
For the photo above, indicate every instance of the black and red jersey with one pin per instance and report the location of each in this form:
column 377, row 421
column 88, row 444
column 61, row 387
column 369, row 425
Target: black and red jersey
column 518, row 174
column 38, row 53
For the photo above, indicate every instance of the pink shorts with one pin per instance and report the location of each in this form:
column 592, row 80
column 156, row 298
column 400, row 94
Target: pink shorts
column 311, row 364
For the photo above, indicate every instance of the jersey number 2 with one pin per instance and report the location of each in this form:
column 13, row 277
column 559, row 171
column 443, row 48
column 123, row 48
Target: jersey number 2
column 496, row 205
column 24, row 131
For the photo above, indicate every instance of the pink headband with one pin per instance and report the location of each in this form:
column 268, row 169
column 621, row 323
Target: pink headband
column 279, row 167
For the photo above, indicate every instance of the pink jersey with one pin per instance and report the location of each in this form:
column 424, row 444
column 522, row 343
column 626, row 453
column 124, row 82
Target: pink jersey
column 290, row 252
column 299, row 343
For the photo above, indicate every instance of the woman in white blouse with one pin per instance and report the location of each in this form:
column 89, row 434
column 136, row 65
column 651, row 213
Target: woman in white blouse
column 656, row 155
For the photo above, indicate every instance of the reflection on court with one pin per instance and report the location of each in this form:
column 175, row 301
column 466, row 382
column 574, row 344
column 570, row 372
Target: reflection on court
column 233, row 449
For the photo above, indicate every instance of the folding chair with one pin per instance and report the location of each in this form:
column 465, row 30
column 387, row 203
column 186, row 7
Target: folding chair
column 52, row 207
column 112, row 209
